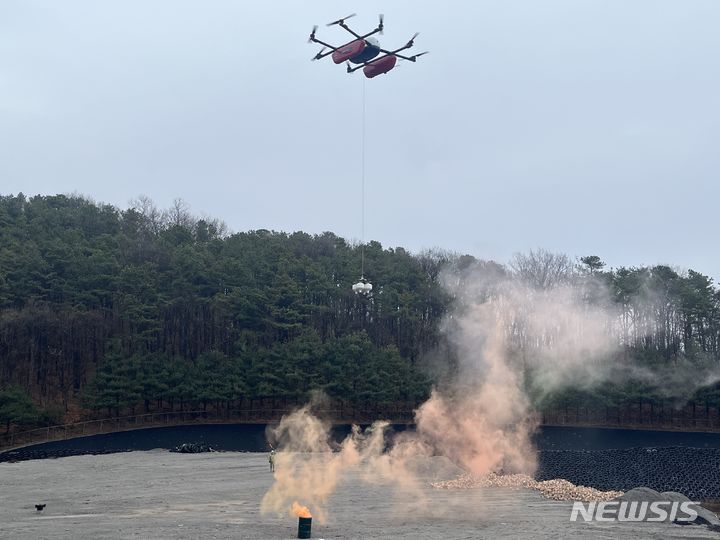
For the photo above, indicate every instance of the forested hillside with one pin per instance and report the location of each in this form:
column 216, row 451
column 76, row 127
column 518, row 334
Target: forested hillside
column 119, row 310
column 119, row 307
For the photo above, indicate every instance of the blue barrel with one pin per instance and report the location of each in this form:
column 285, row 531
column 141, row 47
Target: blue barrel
column 304, row 527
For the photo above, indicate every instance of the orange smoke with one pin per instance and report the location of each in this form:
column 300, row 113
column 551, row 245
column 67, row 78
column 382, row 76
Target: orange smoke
column 300, row 511
column 481, row 419
column 308, row 469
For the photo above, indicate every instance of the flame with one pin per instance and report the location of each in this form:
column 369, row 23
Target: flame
column 300, row 511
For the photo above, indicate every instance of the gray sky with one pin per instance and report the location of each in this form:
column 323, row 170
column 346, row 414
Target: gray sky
column 579, row 126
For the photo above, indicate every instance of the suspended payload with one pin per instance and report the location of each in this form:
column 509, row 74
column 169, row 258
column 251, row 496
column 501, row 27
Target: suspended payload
column 365, row 52
column 362, row 287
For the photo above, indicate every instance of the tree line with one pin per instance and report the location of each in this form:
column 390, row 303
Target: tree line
column 96, row 302
column 115, row 310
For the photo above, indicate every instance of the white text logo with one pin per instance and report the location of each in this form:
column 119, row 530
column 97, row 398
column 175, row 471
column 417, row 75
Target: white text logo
column 634, row 511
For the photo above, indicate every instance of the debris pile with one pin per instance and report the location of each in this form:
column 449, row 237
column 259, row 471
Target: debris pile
column 193, row 448
column 558, row 490
column 562, row 490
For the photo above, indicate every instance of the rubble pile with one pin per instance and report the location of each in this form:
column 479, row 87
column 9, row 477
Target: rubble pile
column 558, row 490
column 193, row 448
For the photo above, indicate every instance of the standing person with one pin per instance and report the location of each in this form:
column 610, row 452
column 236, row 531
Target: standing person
column 271, row 459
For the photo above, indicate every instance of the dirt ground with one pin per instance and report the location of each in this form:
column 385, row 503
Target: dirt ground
column 162, row 495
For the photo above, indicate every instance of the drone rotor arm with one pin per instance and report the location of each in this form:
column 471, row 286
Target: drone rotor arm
column 408, row 58
column 312, row 34
column 412, row 58
column 332, row 47
column 404, row 47
column 346, row 27
column 321, row 54
column 412, row 40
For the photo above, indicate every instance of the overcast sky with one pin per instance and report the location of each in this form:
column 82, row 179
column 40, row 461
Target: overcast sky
column 579, row 126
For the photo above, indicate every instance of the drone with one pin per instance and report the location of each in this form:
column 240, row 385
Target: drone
column 364, row 50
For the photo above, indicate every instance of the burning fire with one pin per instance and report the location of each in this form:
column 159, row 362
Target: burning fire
column 301, row 511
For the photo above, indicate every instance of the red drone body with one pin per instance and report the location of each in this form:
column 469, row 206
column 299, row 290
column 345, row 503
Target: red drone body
column 351, row 50
column 364, row 51
column 378, row 67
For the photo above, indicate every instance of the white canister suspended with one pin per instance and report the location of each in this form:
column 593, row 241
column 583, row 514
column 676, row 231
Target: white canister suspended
column 362, row 287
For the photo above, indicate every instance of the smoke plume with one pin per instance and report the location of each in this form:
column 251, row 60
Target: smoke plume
column 480, row 417
column 309, row 465
column 502, row 331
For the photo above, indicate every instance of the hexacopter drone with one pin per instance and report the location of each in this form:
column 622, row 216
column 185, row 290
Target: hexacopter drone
column 363, row 50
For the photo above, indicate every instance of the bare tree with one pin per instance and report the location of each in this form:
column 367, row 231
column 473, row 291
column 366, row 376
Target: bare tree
column 434, row 260
column 155, row 220
column 217, row 228
column 542, row 269
column 179, row 215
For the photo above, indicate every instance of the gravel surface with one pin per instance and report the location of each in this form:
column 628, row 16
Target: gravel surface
column 163, row 495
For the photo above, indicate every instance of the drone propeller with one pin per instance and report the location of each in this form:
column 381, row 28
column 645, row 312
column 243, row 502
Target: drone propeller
column 412, row 39
column 412, row 58
column 341, row 21
column 312, row 34
column 318, row 55
column 381, row 17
